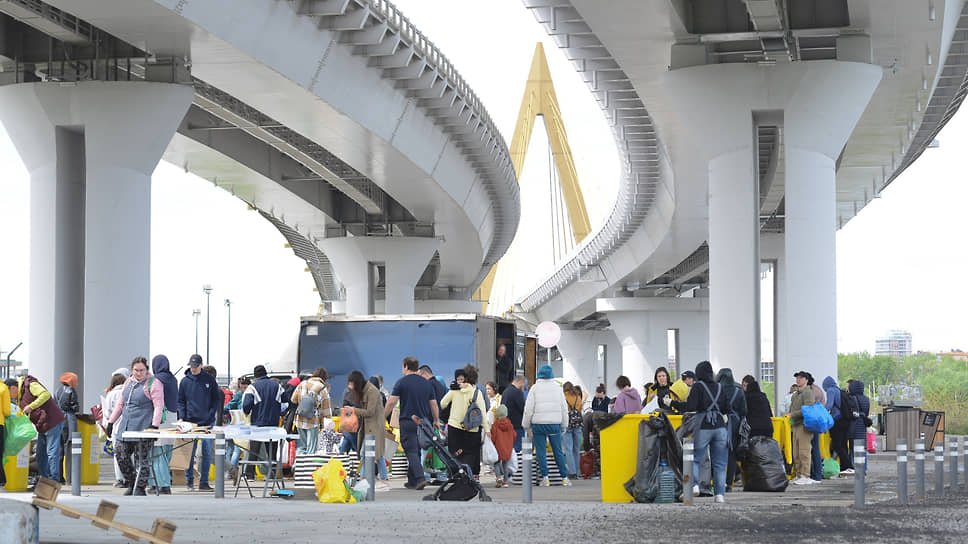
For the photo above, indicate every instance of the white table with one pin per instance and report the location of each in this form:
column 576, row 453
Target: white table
column 234, row 432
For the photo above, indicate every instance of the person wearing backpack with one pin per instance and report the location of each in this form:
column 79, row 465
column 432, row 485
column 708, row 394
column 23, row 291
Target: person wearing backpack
column 709, row 401
column 142, row 403
column 735, row 414
column 312, row 402
column 837, row 406
column 860, row 411
column 467, row 409
column 572, row 436
column 803, row 396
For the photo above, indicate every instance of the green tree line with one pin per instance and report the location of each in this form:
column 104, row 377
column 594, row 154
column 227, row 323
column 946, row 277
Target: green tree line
column 943, row 381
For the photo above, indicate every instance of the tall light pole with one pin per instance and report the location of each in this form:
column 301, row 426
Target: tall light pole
column 228, row 351
column 207, row 289
column 196, row 312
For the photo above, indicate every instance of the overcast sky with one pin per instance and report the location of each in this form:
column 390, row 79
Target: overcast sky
column 899, row 262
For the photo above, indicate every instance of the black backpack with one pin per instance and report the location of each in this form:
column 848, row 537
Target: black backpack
column 848, row 406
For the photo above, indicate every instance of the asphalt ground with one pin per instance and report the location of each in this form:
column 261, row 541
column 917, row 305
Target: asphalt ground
column 823, row 511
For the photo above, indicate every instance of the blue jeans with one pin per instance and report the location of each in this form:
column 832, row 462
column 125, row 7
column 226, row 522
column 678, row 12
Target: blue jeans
column 552, row 433
column 381, row 468
column 715, row 439
column 408, row 439
column 349, row 443
column 518, row 435
column 160, row 471
column 572, row 443
column 816, row 461
column 307, row 440
column 208, row 449
column 49, row 443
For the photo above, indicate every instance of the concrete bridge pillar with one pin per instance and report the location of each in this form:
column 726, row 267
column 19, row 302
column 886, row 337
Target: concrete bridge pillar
column 90, row 149
column 642, row 325
column 355, row 258
column 815, row 105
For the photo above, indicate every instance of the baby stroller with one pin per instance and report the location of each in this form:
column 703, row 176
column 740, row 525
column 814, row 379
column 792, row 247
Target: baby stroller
column 460, row 485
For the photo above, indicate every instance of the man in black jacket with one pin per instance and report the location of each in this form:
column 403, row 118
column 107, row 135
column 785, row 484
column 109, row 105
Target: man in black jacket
column 199, row 399
column 513, row 398
column 707, row 399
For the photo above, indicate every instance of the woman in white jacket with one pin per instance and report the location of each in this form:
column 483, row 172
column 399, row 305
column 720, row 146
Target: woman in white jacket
column 545, row 415
column 111, row 396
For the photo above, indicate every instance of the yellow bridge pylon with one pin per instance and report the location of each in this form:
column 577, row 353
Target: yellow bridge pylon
column 540, row 99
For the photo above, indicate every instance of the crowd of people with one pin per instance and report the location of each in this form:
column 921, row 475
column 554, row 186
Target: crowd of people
column 470, row 416
column 725, row 408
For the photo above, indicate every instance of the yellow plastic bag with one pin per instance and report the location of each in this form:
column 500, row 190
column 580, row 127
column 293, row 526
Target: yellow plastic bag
column 329, row 480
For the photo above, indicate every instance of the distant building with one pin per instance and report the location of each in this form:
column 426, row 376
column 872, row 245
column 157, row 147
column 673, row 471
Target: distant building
column 955, row 354
column 768, row 372
column 895, row 344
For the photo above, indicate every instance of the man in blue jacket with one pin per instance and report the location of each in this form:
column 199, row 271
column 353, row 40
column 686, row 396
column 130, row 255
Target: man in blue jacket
column 199, row 398
column 263, row 400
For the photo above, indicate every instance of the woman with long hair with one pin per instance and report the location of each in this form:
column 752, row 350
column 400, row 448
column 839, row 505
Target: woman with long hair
column 110, row 398
column 465, row 443
column 142, row 403
column 370, row 415
column 571, row 439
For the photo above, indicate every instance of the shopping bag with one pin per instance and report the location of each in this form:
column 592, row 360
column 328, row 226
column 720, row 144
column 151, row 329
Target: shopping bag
column 330, row 482
column 18, row 432
column 348, row 421
column 817, row 419
column 871, row 442
column 489, row 454
column 652, row 406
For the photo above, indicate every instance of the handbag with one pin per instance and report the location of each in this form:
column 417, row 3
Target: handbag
column 348, row 422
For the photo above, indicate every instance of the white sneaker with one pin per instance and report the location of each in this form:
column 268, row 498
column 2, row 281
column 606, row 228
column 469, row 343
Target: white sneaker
column 801, row 480
column 545, row 482
column 566, row 482
column 847, row 471
column 695, row 491
column 720, row 498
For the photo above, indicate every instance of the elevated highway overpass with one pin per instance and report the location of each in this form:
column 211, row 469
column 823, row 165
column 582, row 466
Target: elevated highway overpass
column 338, row 120
column 750, row 130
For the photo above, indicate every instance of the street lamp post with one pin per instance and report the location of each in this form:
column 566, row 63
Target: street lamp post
column 196, row 312
column 228, row 351
column 207, row 289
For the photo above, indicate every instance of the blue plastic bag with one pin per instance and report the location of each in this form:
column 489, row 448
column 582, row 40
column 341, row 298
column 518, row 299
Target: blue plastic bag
column 817, row 419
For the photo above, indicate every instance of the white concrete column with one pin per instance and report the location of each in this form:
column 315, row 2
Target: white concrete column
column 642, row 324
column 734, row 257
column 90, row 149
column 820, row 102
column 579, row 351
column 772, row 248
column 354, row 258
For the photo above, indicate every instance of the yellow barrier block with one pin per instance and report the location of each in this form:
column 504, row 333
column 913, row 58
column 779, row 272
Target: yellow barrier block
column 620, row 445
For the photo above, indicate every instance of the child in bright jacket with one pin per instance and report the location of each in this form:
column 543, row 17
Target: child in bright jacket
column 502, row 434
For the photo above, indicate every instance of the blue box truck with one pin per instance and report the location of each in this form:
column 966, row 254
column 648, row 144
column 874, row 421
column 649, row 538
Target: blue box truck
column 377, row 344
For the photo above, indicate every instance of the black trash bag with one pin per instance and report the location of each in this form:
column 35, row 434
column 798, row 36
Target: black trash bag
column 690, row 424
column 743, row 446
column 657, row 443
column 764, row 469
column 602, row 420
